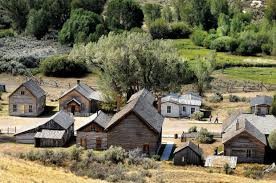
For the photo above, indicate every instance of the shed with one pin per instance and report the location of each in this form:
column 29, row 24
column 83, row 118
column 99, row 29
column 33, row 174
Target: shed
column 188, row 154
column 220, row 161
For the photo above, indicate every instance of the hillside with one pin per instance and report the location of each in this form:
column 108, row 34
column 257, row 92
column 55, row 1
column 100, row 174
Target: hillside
column 15, row 170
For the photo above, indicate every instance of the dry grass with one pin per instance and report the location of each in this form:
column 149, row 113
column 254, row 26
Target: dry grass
column 14, row 170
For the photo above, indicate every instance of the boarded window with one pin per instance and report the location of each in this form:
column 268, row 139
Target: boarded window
column 169, row 109
column 22, row 92
column 14, row 108
column 98, row 143
column 184, row 109
column 30, row 108
column 146, row 148
column 248, row 153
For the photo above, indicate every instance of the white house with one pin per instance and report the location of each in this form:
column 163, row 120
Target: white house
column 174, row 105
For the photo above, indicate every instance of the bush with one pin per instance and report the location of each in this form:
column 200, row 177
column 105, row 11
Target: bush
column 61, row 66
column 115, row 154
column 272, row 140
column 179, row 30
column 267, row 49
column 95, row 6
column 217, row 97
column 234, row 98
column 198, row 37
column 208, row 40
column 192, row 129
column 37, row 24
column 152, row 12
column 29, row 62
column 205, row 137
column 197, row 115
column 224, row 44
column 81, row 26
column 254, row 172
column 13, row 67
column 6, row 33
column 75, row 153
column 227, row 169
column 159, row 29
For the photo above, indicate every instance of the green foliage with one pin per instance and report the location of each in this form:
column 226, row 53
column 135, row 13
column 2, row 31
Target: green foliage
column 198, row 36
column 167, row 14
column 132, row 61
column 197, row 115
column 273, row 106
column 270, row 11
column 224, row 44
column 82, row 26
column 179, row 30
column 205, row 137
column 13, row 67
column 123, row 14
column 61, row 66
column 272, row 140
column 17, row 11
column 151, row 12
column 254, row 172
column 37, row 24
column 209, row 39
column 234, row 98
column 95, row 6
column 218, row 7
column 217, row 97
column 227, row 169
column 6, row 33
column 115, row 154
column 239, row 22
column 75, row 154
column 192, row 129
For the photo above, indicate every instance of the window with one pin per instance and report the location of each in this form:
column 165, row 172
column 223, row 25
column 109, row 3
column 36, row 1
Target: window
column 169, row 109
column 22, row 92
column 248, row 153
column 30, row 108
column 98, row 143
column 184, row 109
column 192, row 110
column 14, row 108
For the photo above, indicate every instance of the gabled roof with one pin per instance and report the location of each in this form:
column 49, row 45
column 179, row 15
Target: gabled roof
column 191, row 145
column 261, row 100
column 86, row 91
column 63, row 119
column 99, row 118
column 244, row 126
column 50, row 134
column 144, row 93
column 187, row 99
column 143, row 109
column 33, row 87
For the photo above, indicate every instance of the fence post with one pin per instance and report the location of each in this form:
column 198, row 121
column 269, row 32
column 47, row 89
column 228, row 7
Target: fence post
column 8, row 130
column 15, row 129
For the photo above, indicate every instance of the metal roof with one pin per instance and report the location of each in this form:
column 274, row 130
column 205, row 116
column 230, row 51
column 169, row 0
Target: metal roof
column 191, row 145
column 63, row 119
column 261, row 100
column 33, row 87
column 187, row 99
column 144, row 109
column 99, row 118
column 50, row 134
column 144, row 93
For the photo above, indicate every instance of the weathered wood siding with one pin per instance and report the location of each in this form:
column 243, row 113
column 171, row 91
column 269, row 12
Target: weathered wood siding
column 26, row 138
column 88, row 140
column 50, row 142
column 239, row 145
column 23, row 101
column 177, row 110
column 131, row 132
column 187, row 156
column 85, row 103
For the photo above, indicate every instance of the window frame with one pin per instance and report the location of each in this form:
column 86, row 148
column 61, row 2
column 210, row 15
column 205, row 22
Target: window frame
column 30, row 108
column 169, row 109
column 22, row 92
column 14, row 108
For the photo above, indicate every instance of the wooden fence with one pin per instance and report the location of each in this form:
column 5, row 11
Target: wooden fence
column 8, row 130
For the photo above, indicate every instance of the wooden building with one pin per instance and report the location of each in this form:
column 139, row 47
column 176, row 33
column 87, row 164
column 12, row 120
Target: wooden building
column 91, row 133
column 246, row 137
column 260, row 105
column 174, row 105
column 137, row 125
column 80, row 100
column 188, row 154
column 2, row 88
column 53, row 132
column 28, row 99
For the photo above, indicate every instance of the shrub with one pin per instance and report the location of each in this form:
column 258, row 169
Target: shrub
column 134, row 157
column 234, row 98
column 152, row 12
column 75, row 153
column 115, row 154
column 272, row 140
column 37, row 24
column 13, row 67
column 61, row 66
column 95, row 6
column 80, row 26
column 208, row 40
column 6, row 33
column 205, row 137
column 29, row 62
column 156, row 157
column 192, row 129
column 227, row 169
column 217, row 97
column 197, row 115
column 148, row 163
column 267, row 49
column 254, row 172
column 198, row 36
column 179, row 30
column 224, row 44
column 159, row 29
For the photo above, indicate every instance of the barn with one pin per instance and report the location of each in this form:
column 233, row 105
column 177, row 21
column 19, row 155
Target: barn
column 53, row 132
column 91, row 134
column 188, row 154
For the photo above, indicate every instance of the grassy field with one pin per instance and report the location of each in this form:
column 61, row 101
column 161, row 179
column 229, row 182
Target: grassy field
column 265, row 75
column 187, row 49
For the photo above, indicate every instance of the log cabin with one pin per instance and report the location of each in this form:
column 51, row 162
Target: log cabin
column 28, row 99
column 91, row 132
column 246, row 137
column 56, row 131
column 137, row 125
column 80, row 100
column 188, row 154
column 260, row 105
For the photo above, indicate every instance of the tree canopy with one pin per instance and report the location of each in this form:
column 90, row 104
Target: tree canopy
column 272, row 140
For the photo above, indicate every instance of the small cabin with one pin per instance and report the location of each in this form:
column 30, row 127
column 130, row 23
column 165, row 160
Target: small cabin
column 188, row 154
column 29, row 99
column 260, row 105
column 91, row 134
column 56, row 131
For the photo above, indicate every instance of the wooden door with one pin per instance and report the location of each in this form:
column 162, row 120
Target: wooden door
column 98, row 143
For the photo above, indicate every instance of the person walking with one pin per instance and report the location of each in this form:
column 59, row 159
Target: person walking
column 216, row 120
column 210, row 118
